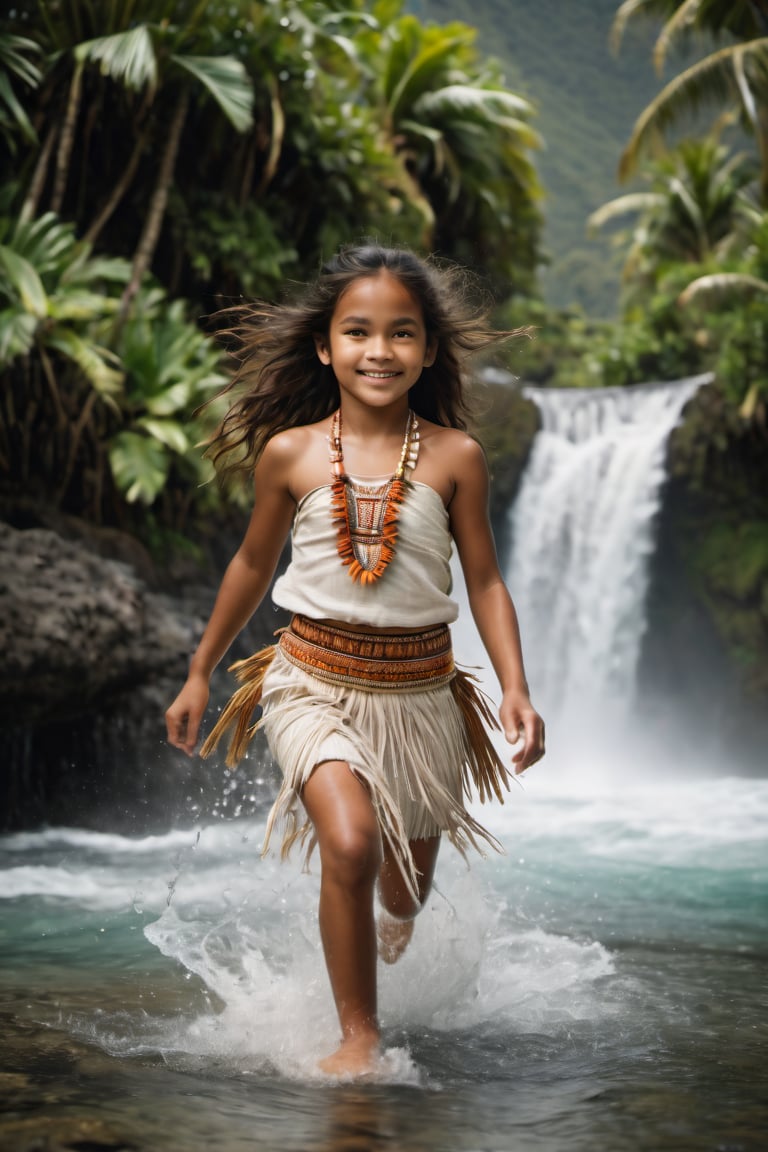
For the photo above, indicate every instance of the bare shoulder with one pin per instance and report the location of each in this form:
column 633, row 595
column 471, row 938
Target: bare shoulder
column 297, row 458
column 448, row 459
column 284, row 448
column 457, row 448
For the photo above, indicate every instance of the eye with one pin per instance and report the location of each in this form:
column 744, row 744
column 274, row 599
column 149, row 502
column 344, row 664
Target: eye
column 354, row 332
column 404, row 332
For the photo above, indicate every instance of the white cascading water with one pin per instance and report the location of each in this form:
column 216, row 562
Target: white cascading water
column 582, row 536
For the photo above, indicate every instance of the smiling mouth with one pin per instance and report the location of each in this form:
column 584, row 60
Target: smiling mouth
column 377, row 375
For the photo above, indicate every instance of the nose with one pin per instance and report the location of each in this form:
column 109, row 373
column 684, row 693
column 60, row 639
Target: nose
column 379, row 348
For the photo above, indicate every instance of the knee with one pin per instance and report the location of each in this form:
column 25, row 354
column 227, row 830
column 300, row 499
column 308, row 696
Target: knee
column 351, row 856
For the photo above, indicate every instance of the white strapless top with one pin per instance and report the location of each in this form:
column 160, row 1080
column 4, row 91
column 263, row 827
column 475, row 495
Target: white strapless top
column 413, row 592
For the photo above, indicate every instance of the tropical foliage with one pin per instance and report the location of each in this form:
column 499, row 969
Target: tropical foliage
column 698, row 209
column 735, row 75
column 170, row 157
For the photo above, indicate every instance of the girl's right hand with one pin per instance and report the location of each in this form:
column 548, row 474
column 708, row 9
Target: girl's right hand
column 183, row 718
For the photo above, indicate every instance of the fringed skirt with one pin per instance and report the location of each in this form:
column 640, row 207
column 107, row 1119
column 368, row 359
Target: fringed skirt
column 411, row 726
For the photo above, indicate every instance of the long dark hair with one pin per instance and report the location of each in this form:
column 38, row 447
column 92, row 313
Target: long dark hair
column 280, row 383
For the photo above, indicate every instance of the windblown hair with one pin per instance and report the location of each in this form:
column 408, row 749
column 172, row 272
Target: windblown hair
column 280, row 382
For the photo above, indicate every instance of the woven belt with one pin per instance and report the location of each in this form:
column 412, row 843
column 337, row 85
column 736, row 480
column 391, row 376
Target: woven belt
column 373, row 662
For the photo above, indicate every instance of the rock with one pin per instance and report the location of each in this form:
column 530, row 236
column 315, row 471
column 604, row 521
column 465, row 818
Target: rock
column 76, row 628
column 90, row 658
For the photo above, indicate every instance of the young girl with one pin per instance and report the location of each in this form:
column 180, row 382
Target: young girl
column 352, row 414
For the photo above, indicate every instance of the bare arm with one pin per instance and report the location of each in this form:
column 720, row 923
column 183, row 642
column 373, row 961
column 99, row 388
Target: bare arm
column 242, row 589
column 491, row 604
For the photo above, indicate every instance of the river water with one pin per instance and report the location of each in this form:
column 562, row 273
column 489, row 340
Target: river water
column 602, row 985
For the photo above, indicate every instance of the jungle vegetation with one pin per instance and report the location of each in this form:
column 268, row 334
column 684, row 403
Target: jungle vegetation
column 160, row 159
column 163, row 158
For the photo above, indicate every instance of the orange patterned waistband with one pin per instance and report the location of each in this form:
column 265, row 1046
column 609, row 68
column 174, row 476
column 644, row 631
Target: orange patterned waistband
column 371, row 661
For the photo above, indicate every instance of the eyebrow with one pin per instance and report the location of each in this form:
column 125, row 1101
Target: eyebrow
column 366, row 320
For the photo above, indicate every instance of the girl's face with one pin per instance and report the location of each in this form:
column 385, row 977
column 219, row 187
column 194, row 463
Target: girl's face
column 377, row 344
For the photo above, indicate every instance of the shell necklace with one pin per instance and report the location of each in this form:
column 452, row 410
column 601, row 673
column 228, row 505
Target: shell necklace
column 366, row 515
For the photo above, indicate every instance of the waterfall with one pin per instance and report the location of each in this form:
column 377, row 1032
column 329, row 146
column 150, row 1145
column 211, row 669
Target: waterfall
column 582, row 536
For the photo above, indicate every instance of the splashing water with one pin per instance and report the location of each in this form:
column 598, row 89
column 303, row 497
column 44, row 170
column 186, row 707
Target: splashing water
column 593, row 988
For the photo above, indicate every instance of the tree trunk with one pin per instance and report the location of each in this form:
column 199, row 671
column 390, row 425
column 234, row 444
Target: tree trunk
column 151, row 232
column 67, row 139
column 276, row 137
column 37, row 183
column 761, row 131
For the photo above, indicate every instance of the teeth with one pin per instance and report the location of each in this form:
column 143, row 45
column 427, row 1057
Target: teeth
column 380, row 375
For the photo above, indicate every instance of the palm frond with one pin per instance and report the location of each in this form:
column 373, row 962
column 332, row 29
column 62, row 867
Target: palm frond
column 679, row 22
column 721, row 285
column 44, row 241
column 228, row 83
column 628, row 11
column 420, row 72
column 710, row 80
column 742, row 82
column 13, row 59
column 623, row 206
column 14, row 63
column 488, row 105
column 16, row 109
column 129, row 57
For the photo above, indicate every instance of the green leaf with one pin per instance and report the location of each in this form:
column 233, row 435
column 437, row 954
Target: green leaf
column 420, row 72
column 13, row 60
column 17, row 334
column 23, row 281
column 167, row 432
column 172, row 399
column 82, row 305
column 228, row 83
column 16, row 109
column 139, row 465
column 100, row 367
column 125, row 56
column 87, row 269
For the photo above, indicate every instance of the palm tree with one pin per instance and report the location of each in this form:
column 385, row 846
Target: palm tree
column 735, row 75
column 463, row 140
column 159, row 62
column 697, row 210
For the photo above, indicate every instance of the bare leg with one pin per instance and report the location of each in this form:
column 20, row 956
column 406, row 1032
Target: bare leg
column 395, row 926
column 350, row 852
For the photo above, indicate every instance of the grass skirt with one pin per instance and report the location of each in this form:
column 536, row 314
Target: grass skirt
column 419, row 751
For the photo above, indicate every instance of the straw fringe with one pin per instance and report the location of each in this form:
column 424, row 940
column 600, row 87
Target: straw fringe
column 419, row 754
column 238, row 712
column 483, row 766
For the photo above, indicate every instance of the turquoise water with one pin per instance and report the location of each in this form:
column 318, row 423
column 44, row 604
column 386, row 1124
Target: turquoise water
column 602, row 985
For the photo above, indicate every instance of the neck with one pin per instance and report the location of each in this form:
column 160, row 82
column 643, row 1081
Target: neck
column 362, row 421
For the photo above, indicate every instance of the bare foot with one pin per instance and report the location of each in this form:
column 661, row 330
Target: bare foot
column 355, row 1056
column 392, row 937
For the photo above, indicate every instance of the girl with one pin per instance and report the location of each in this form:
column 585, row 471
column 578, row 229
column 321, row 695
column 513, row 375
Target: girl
column 352, row 414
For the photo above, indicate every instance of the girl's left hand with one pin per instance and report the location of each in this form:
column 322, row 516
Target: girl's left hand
column 521, row 722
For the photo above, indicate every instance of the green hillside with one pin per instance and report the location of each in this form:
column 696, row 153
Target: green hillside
column 556, row 53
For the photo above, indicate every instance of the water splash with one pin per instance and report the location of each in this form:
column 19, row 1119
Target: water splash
column 582, row 536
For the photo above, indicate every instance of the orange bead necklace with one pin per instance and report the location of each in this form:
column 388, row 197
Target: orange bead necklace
column 366, row 515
